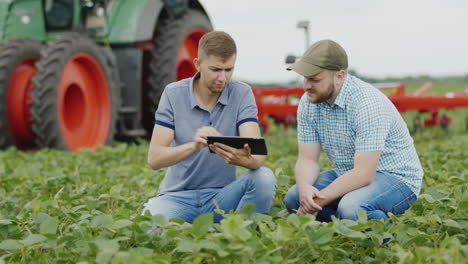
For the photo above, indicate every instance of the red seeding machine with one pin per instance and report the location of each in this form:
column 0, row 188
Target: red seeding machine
column 280, row 104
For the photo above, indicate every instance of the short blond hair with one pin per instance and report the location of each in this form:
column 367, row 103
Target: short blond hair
column 217, row 43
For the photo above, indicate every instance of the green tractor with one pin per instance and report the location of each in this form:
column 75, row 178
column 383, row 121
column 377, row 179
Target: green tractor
column 81, row 73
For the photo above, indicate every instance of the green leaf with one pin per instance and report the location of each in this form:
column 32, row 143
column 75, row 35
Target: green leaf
column 264, row 228
column 421, row 219
column 143, row 251
column 58, row 193
column 204, row 244
column 362, row 216
column 49, row 225
column 122, row 238
column 283, row 232
column 104, row 257
column 157, row 259
column 355, row 234
column 464, row 205
column 172, row 233
column 376, row 238
column 283, row 180
column 202, row 224
column 435, row 218
column 218, row 210
column 41, row 217
column 294, row 219
column 121, row 224
column 456, row 180
column 115, row 190
column 263, row 218
column 278, row 171
column 107, row 245
column 248, row 208
column 177, row 220
column 102, row 220
column 452, row 223
column 233, row 226
column 340, row 228
column 5, row 222
column 427, row 197
column 104, row 196
column 33, row 239
column 243, row 235
column 10, row 245
column 450, row 242
column 187, row 246
column 159, row 220
column 323, row 235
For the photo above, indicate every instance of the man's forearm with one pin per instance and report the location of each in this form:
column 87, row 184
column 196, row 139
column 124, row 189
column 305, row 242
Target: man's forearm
column 166, row 156
column 306, row 172
column 348, row 182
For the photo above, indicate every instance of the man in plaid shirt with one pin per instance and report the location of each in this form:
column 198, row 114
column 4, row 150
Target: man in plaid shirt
column 377, row 168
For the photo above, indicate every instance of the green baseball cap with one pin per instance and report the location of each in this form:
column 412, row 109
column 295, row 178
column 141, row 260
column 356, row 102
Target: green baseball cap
column 322, row 55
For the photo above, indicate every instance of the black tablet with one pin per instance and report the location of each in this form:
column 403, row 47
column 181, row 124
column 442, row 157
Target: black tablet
column 257, row 145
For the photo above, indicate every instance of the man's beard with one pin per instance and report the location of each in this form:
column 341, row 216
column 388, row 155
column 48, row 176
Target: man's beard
column 324, row 96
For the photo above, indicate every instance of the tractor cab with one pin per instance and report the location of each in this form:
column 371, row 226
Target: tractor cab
column 66, row 15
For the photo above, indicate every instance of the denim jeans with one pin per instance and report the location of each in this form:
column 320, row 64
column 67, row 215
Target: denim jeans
column 255, row 186
column 385, row 194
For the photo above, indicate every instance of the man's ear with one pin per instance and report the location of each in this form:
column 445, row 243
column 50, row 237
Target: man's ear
column 341, row 75
column 196, row 62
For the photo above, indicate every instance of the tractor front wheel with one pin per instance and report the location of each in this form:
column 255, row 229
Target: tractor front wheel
column 176, row 42
column 76, row 102
column 17, row 66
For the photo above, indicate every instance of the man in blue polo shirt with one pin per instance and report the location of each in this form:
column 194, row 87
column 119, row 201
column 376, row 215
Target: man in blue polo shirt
column 208, row 104
column 362, row 133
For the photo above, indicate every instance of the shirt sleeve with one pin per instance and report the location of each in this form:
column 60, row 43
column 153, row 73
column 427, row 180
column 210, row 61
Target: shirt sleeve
column 164, row 115
column 248, row 109
column 306, row 128
column 372, row 127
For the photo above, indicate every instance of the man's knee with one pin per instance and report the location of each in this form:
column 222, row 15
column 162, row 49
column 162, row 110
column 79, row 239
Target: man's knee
column 160, row 206
column 263, row 178
column 156, row 207
column 291, row 199
column 348, row 209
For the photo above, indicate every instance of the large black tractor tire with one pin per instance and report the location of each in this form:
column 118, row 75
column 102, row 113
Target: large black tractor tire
column 77, row 98
column 170, row 37
column 17, row 65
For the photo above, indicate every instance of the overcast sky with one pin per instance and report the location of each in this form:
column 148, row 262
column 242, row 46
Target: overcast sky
column 382, row 38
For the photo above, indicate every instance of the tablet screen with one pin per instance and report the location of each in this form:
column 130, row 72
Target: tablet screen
column 257, row 145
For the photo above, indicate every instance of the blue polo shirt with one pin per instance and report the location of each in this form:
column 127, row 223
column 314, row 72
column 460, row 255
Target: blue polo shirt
column 178, row 110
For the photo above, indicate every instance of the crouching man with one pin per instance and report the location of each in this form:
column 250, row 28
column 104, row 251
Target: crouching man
column 377, row 167
column 208, row 104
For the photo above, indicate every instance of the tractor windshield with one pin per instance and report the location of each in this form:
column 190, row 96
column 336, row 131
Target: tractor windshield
column 59, row 14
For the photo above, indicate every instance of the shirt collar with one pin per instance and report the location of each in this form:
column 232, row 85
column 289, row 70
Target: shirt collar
column 223, row 99
column 341, row 99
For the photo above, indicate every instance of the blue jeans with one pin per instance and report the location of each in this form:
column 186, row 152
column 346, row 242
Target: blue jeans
column 385, row 194
column 255, row 186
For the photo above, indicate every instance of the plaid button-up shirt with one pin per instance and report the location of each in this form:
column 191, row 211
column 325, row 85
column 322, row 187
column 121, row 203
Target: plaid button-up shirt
column 361, row 119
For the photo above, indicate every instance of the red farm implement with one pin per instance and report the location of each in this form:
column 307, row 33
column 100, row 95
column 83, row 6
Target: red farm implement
column 280, row 103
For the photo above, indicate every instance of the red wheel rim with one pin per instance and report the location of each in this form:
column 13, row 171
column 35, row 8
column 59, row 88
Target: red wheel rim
column 187, row 52
column 84, row 107
column 19, row 104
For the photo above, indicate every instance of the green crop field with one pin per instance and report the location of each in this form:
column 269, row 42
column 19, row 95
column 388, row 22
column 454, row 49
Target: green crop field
column 60, row 207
